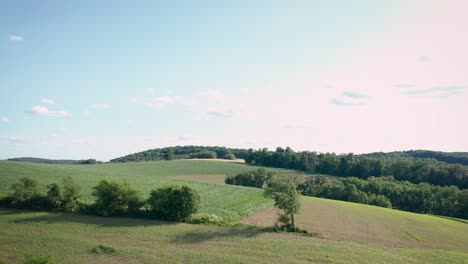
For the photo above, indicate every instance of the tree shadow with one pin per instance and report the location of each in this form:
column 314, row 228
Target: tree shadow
column 205, row 234
column 114, row 221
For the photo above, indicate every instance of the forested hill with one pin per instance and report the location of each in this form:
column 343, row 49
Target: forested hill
column 415, row 166
column 185, row 152
column 448, row 157
column 403, row 168
column 40, row 160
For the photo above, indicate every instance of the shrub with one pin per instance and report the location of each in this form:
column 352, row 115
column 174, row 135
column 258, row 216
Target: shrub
column 30, row 259
column 230, row 179
column 71, row 194
column 54, row 195
column 256, row 178
column 24, row 192
column 210, row 219
column 114, row 198
column 103, row 249
column 173, row 203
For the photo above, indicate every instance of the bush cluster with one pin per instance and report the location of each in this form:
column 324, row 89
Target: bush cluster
column 257, row 178
column 175, row 203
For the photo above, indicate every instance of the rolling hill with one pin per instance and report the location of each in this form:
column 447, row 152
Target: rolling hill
column 350, row 233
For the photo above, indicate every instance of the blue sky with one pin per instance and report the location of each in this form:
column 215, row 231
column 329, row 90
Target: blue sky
column 104, row 79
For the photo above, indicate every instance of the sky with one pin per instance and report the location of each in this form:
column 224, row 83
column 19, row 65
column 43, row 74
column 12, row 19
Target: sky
column 102, row 79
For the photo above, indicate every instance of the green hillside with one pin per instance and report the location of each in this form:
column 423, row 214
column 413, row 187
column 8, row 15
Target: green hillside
column 364, row 223
column 223, row 200
column 352, row 233
column 71, row 239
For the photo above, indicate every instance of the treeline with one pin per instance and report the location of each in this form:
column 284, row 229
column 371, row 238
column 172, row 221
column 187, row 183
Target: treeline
column 388, row 192
column 51, row 161
column 174, row 203
column 447, row 157
column 363, row 166
column 184, row 152
column 379, row 191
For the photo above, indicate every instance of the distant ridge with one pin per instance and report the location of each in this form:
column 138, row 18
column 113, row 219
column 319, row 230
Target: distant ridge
column 41, row 160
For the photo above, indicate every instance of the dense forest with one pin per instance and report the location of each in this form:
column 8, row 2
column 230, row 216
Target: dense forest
column 388, row 192
column 382, row 191
column 415, row 170
column 184, row 152
column 448, row 157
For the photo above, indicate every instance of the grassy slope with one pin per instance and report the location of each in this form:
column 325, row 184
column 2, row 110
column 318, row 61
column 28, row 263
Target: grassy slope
column 358, row 222
column 227, row 201
column 70, row 239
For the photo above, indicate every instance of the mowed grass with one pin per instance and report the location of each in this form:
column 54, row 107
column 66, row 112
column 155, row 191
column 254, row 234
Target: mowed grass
column 363, row 223
column 233, row 202
column 72, row 238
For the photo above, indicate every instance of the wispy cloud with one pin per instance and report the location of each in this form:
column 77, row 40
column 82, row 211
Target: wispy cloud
column 101, row 106
column 338, row 102
column 218, row 113
column 354, row 95
column 440, row 91
column 4, row 119
column 47, row 101
column 44, row 111
column 16, row 38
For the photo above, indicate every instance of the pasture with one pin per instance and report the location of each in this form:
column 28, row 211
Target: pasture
column 229, row 202
column 364, row 223
column 72, row 238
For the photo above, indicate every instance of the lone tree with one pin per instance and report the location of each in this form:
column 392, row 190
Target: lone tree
column 286, row 197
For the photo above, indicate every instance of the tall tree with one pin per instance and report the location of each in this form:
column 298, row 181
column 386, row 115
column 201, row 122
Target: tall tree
column 285, row 194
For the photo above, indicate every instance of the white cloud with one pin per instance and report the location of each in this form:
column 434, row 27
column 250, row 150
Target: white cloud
column 47, row 101
column 101, row 106
column 4, row 120
column 15, row 38
column 44, row 111
column 157, row 102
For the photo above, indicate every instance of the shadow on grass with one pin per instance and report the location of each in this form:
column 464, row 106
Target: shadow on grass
column 100, row 221
column 205, row 234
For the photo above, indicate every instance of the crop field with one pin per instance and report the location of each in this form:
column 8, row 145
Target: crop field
column 359, row 222
column 350, row 233
column 233, row 202
column 72, row 238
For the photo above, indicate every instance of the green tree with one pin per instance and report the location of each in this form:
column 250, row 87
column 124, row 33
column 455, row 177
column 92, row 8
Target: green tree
column 113, row 198
column 71, row 194
column 286, row 197
column 173, row 203
column 25, row 191
column 54, row 195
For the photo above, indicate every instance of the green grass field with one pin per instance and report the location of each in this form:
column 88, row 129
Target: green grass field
column 364, row 223
column 71, row 239
column 352, row 233
column 227, row 201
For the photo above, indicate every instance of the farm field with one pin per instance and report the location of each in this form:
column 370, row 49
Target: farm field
column 351, row 233
column 71, row 239
column 233, row 202
column 364, row 223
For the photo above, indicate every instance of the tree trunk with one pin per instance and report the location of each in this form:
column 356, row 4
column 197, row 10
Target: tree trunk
column 292, row 220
